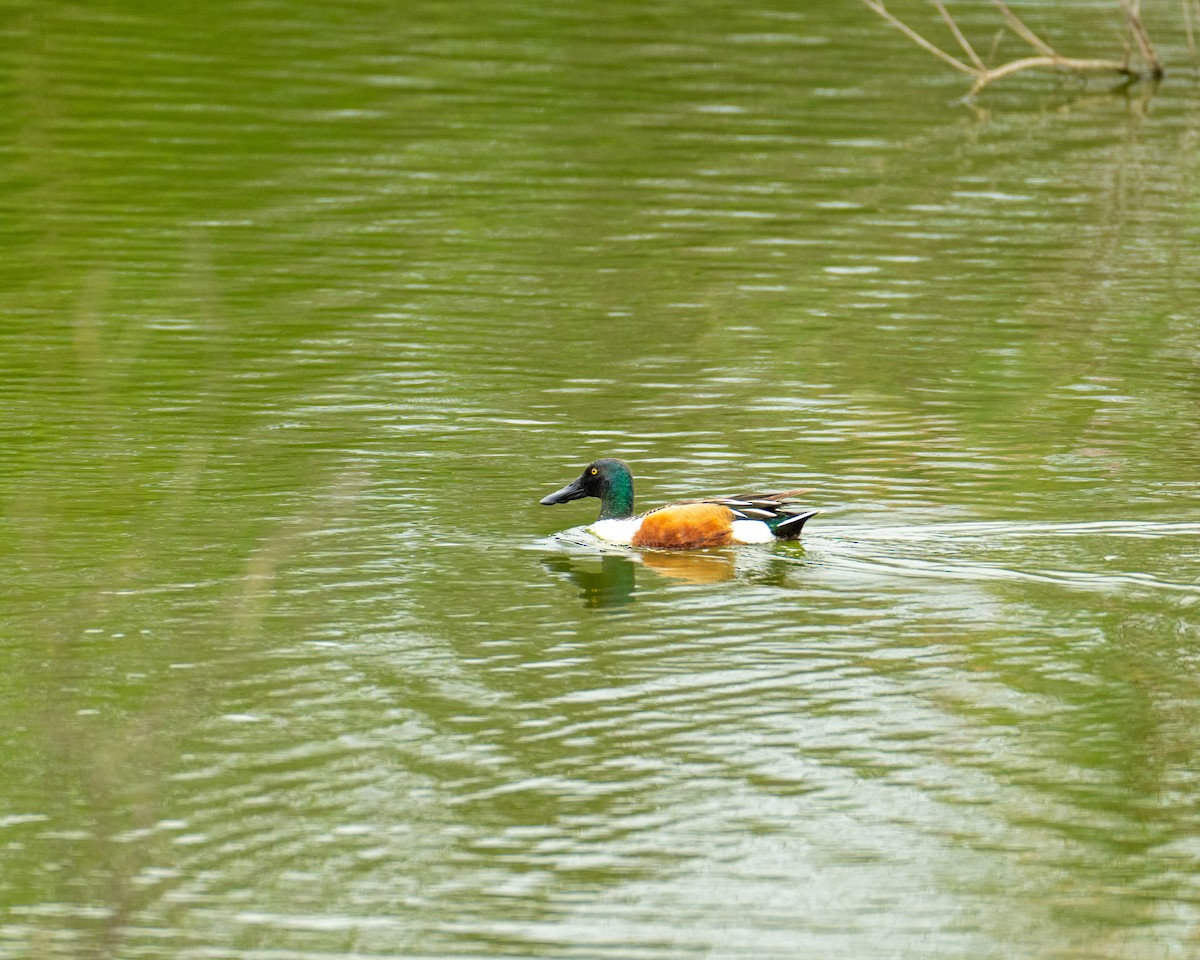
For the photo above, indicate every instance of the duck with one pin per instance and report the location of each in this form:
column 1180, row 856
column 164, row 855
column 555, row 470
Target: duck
column 686, row 524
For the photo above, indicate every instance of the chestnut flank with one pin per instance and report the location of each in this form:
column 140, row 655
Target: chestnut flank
column 688, row 526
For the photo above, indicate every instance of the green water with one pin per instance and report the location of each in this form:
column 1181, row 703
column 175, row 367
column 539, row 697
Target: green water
column 305, row 305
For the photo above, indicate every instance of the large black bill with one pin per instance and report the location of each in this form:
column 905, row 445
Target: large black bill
column 572, row 491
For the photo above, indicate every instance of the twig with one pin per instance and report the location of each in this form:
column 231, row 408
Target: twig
column 958, row 35
column 1051, row 61
column 1133, row 15
column 916, row 38
column 1048, row 57
column 996, row 44
column 1024, row 32
column 1197, row 5
column 1187, row 26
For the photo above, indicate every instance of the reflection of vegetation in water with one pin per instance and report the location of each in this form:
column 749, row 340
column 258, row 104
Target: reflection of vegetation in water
column 122, row 614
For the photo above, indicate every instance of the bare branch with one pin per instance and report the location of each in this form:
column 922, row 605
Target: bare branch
column 1047, row 57
column 1133, row 14
column 1187, row 26
column 1024, row 32
column 1197, row 5
column 996, row 44
column 1056, row 61
column 958, row 35
column 1127, row 47
column 916, row 38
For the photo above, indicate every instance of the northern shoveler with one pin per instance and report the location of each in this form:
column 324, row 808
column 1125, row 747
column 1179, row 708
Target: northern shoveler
column 688, row 524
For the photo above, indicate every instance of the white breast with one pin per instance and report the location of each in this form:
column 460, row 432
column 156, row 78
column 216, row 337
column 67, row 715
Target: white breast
column 616, row 531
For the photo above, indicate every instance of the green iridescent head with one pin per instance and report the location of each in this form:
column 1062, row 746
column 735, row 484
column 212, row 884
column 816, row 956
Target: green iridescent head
column 608, row 479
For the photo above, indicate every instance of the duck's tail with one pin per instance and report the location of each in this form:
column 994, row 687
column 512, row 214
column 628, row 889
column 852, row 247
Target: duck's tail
column 783, row 516
column 791, row 519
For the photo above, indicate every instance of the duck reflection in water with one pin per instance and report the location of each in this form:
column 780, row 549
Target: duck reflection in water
column 611, row 584
column 610, row 579
column 710, row 567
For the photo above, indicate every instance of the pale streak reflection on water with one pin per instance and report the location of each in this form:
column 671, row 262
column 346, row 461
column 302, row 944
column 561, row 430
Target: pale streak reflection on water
column 307, row 306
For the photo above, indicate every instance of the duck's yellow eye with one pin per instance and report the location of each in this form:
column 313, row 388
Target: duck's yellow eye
column 594, row 471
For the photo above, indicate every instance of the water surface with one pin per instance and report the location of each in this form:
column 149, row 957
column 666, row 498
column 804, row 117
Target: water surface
column 305, row 306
